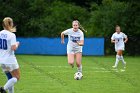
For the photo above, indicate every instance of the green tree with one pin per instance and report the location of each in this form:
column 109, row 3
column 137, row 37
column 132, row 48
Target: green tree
column 105, row 17
column 48, row 18
column 56, row 18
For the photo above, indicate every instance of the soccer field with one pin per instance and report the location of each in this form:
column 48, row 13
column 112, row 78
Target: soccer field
column 52, row 74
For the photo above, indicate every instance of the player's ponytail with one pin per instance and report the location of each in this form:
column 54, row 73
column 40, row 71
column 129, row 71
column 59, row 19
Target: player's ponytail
column 80, row 26
column 8, row 24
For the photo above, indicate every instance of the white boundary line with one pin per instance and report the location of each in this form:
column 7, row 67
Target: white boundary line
column 67, row 67
column 92, row 69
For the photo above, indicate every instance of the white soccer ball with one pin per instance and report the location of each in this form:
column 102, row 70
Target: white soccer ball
column 78, row 76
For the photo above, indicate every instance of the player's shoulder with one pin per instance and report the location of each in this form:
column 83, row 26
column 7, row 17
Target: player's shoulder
column 70, row 29
column 80, row 31
column 122, row 33
column 8, row 32
column 1, row 31
column 115, row 33
column 11, row 33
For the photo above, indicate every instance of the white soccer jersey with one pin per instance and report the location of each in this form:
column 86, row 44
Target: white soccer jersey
column 73, row 37
column 119, row 40
column 7, row 39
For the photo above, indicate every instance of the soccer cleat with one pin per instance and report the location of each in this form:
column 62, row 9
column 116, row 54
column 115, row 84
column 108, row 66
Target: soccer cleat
column 2, row 90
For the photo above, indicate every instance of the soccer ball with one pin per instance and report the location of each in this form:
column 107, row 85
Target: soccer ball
column 78, row 76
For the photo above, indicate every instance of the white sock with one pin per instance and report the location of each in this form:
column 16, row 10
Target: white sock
column 10, row 83
column 117, row 60
column 79, row 69
column 11, row 89
column 123, row 60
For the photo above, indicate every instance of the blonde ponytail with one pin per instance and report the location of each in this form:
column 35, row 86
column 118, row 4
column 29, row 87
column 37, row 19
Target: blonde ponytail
column 8, row 24
column 82, row 28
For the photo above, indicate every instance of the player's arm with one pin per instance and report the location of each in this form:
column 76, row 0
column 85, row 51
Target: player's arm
column 62, row 37
column 14, row 43
column 80, row 43
column 125, row 40
column 66, row 32
column 112, row 41
column 15, row 46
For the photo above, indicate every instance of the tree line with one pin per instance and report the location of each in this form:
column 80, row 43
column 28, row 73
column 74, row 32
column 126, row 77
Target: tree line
column 48, row 18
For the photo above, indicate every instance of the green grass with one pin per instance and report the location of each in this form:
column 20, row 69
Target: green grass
column 52, row 74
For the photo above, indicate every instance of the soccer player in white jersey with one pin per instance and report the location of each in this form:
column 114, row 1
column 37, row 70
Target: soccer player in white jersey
column 75, row 44
column 8, row 62
column 119, row 39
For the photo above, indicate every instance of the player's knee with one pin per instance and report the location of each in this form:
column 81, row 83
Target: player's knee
column 70, row 62
column 119, row 52
column 18, row 77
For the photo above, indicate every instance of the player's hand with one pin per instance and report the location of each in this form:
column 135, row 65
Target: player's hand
column 18, row 43
column 116, row 41
column 79, row 43
column 62, row 42
column 125, row 41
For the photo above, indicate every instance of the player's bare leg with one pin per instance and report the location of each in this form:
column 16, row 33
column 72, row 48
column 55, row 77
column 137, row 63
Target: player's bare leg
column 15, row 77
column 123, row 62
column 118, row 57
column 71, row 59
column 78, row 61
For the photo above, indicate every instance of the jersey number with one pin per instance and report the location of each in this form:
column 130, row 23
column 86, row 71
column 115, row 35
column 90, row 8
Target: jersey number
column 3, row 44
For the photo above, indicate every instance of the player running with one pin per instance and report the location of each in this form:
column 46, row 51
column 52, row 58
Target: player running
column 119, row 38
column 8, row 60
column 75, row 44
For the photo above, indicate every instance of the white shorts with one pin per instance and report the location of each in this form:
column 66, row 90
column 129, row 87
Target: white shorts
column 74, row 50
column 9, row 67
column 119, row 48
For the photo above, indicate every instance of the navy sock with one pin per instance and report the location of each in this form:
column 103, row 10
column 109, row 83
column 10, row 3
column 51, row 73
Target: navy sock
column 8, row 74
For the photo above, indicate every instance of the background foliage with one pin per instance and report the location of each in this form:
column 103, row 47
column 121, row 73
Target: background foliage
column 48, row 18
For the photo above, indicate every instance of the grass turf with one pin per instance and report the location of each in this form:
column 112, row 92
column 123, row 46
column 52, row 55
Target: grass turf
column 52, row 74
